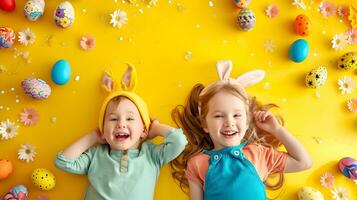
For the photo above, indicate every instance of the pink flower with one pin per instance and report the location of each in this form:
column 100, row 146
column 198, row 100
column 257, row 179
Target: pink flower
column 29, row 117
column 272, row 11
column 343, row 11
column 352, row 35
column 327, row 8
column 327, row 180
column 87, row 42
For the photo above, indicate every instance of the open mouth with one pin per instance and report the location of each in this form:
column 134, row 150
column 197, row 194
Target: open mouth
column 229, row 133
column 121, row 135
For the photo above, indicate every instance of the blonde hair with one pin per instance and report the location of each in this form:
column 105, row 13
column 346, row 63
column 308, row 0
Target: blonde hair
column 190, row 120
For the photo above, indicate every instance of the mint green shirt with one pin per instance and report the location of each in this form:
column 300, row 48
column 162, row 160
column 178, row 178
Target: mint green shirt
column 102, row 166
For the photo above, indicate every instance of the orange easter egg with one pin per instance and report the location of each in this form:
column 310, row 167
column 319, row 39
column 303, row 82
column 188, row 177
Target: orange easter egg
column 5, row 168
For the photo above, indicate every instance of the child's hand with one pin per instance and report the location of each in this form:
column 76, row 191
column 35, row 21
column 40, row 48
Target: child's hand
column 266, row 121
column 99, row 137
column 153, row 128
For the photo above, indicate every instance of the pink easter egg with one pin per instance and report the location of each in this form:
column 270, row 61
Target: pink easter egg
column 36, row 88
column 348, row 167
column 7, row 37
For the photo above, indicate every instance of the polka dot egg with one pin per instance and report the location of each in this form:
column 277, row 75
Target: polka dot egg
column 316, row 77
column 348, row 61
column 43, row 179
column 309, row 193
column 36, row 88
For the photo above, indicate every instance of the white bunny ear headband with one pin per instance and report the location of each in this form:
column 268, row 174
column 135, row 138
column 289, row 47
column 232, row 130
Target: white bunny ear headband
column 224, row 68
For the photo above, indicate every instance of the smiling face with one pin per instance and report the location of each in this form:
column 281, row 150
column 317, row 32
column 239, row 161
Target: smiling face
column 226, row 120
column 123, row 126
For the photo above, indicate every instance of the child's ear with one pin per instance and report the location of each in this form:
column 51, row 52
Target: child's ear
column 129, row 79
column 144, row 134
column 107, row 81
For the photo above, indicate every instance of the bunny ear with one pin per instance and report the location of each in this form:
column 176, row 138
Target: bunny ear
column 107, row 81
column 224, row 68
column 251, row 78
column 129, row 79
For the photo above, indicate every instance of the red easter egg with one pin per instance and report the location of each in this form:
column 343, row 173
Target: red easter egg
column 7, row 5
column 302, row 25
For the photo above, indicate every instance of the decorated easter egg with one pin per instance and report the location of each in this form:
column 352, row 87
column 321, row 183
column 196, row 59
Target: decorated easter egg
column 43, row 179
column 61, row 72
column 299, row 50
column 5, row 169
column 246, row 19
column 302, row 25
column 348, row 167
column 64, row 15
column 309, row 193
column 241, row 3
column 33, row 9
column 316, row 77
column 348, row 61
column 36, row 88
column 7, row 37
column 18, row 192
column 7, row 5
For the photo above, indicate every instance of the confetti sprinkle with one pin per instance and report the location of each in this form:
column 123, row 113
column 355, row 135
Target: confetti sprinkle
column 317, row 139
column 188, row 55
column 266, row 85
column 76, row 78
column 269, row 46
column 53, row 120
column 210, row 3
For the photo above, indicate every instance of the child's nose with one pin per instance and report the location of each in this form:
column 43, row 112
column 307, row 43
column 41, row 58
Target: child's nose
column 121, row 125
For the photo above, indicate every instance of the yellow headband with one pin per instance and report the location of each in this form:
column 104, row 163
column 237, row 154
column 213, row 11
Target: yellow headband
column 126, row 89
column 224, row 69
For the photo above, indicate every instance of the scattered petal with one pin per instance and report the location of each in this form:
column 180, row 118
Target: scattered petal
column 210, row 3
column 299, row 4
column 272, row 11
column 340, row 193
column 352, row 105
column 26, row 152
column 352, row 35
column 29, row 117
column 327, row 8
column 3, row 69
column 26, row 37
column 346, row 85
column 188, row 55
column 327, row 180
column 8, row 129
column 53, row 120
column 269, row 46
column 317, row 139
column 153, row 2
column 119, row 18
column 87, row 42
column 339, row 41
column 76, row 78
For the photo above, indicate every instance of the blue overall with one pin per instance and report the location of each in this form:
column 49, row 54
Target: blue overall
column 230, row 176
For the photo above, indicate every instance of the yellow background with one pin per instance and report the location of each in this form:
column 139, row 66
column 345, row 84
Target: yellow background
column 156, row 42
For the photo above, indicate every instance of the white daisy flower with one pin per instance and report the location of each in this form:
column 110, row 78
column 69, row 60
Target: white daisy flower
column 339, row 41
column 352, row 106
column 340, row 193
column 119, row 18
column 8, row 130
column 299, row 4
column 26, row 152
column 346, row 85
column 26, row 37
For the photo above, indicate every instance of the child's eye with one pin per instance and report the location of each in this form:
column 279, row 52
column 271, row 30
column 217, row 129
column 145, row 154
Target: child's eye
column 130, row 118
column 218, row 116
column 237, row 115
column 113, row 119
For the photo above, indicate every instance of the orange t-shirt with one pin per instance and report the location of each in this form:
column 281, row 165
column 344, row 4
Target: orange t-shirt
column 266, row 160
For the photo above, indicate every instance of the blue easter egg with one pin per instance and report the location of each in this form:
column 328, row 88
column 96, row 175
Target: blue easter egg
column 299, row 50
column 61, row 72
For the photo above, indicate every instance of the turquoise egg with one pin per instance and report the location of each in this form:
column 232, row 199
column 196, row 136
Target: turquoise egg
column 61, row 72
column 299, row 50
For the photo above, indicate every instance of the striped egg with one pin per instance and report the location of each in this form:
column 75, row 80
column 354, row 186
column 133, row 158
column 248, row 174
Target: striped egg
column 246, row 19
column 36, row 88
column 348, row 167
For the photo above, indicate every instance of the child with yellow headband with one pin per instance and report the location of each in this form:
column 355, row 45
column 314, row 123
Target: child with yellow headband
column 231, row 140
column 124, row 165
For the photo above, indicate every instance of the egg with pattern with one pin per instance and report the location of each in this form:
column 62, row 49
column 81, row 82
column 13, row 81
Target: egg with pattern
column 309, row 193
column 302, row 25
column 7, row 37
column 64, row 15
column 36, row 88
column 34, row 9
column 348, row 167
column 43, row 179
column 246, row 19
column 316, row 77
column 348, row 61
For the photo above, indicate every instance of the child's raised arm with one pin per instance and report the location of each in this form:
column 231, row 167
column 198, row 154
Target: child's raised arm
column 298, row 157
column 82, row 144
